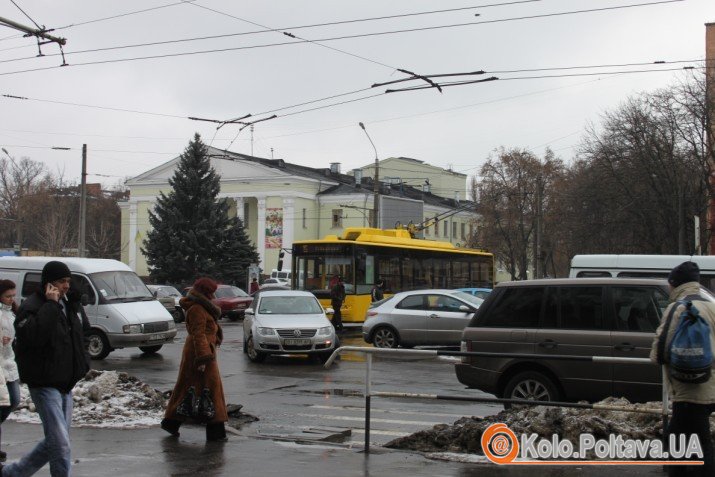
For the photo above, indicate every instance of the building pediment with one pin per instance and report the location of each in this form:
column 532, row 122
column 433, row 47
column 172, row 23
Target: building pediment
column 228, row 166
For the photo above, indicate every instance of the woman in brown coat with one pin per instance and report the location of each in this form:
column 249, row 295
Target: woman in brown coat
column 199, row 367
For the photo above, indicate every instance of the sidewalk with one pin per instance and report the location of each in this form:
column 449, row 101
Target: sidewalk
column 152, row 452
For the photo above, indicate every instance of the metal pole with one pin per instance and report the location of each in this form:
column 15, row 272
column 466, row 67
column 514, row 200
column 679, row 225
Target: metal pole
column 32, row 31
column 83, row 205
column 368, row 390
column 376, row 184
column 665, row 401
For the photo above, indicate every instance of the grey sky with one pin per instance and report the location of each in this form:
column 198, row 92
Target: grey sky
column 459, row 127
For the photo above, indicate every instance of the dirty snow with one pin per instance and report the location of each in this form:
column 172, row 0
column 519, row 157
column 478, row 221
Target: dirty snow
column 464, row 436
column 107, row 399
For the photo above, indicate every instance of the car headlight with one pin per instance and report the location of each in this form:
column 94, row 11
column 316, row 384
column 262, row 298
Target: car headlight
column 172, row 325
column 325, row 331
column 132, row 329
column 266, row 331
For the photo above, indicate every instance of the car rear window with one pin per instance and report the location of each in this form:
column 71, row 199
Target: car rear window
column 517, row 307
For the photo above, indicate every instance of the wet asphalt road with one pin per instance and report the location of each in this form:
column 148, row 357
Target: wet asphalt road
column 291, row 394
column 288, row 395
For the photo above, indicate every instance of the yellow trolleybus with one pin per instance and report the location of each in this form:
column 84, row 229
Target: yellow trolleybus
column 364, row 255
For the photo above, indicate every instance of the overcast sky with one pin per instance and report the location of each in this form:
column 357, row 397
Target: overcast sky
column 458, row 128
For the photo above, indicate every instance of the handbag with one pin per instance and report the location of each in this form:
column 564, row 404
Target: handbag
column 197, row 407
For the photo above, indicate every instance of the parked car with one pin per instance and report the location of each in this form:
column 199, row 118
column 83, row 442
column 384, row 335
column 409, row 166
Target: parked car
column 232, row 300
column 273, row 281
column 287, row 322
column 169, row 297
column 578, row 316
column 420, row 317
column 482, row 293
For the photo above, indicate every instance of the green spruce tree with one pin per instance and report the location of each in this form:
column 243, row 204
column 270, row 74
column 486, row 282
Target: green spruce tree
column 191, row 233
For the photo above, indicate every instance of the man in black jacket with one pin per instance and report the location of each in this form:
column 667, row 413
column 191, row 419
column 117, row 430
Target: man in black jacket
column 51, row 359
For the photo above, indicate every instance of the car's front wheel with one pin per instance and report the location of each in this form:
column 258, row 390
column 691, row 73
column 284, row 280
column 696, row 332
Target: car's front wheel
column 97, row 345
column 385, row 337
column 531, row 385
column 253, row 354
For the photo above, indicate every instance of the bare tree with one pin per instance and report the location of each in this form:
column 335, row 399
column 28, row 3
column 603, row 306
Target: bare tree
column 512, row 200
column 18, row 180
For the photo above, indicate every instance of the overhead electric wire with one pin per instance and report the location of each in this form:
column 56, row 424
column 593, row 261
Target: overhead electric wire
column 281, row 29
column 28, row 16
column 121, row 15
column 345, row 37
column 291, row 35
column 108, row 108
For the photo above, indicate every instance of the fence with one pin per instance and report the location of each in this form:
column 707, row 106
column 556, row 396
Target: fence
column 369, row 352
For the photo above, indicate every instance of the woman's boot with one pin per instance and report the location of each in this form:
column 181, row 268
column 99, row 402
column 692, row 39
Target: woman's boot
column 216, row 431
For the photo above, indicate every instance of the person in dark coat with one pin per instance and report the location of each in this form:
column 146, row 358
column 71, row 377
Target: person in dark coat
column 199, row 366
column 378, row 291
column 337, row 297
column 51, row 359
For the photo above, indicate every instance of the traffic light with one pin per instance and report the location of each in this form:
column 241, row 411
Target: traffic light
column 281, row 254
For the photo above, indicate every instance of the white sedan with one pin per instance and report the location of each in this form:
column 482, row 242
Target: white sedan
column 287, row 322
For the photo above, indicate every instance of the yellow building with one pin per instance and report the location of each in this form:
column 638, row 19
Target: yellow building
column 280, row 203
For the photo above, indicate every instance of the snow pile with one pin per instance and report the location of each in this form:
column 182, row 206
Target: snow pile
column 464, row 436
column 106, row 399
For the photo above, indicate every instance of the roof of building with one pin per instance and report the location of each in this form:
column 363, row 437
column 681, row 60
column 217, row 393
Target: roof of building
column 339, row 183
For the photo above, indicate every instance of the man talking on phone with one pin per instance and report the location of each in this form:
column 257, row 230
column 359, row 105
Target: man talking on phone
column 51, row 359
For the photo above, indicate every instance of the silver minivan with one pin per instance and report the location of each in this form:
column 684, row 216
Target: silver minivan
column 577, row 316
column 122, row 311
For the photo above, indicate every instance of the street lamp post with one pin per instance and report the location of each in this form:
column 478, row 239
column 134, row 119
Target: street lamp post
column 376, row 183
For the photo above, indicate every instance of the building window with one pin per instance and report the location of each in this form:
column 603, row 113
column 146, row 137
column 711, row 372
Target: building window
column 471, row 231
column 426, row 229
column 304, row 225
column 446, row 230
column 337, row 218
column 463, row 226
column 436, row 226
column 454, row 230
column 245, row 214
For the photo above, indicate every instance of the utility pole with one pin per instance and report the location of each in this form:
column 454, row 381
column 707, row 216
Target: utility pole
column 83, row 204
column 538, row 268
column 376, row 184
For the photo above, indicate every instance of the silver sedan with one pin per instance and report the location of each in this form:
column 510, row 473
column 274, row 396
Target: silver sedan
column 420, row 317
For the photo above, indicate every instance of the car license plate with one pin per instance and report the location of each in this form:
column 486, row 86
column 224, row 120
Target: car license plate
column 293, row 342
column 157, row 336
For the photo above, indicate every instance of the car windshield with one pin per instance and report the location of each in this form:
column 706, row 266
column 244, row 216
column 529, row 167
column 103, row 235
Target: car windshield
column 120, row 286
column 230, row 292
column 167, row 291
column 289, row 305
column 468, row 298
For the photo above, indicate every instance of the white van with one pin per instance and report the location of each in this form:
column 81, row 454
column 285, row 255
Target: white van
column 640, row 266
column 282, row 276
column 122, row 311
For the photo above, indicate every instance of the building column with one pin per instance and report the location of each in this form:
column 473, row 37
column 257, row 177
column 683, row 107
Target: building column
column 132, row 242
column 261, row 232
column 288, row 222
column 239, row 209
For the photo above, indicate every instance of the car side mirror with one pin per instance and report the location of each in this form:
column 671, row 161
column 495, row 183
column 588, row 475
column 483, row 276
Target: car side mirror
column 249, row 311
column 329, row 311
column 155, row 293
column 84, row 299
column 466, row 309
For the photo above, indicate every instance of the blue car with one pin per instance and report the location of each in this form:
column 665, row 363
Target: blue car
column 482, row 293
